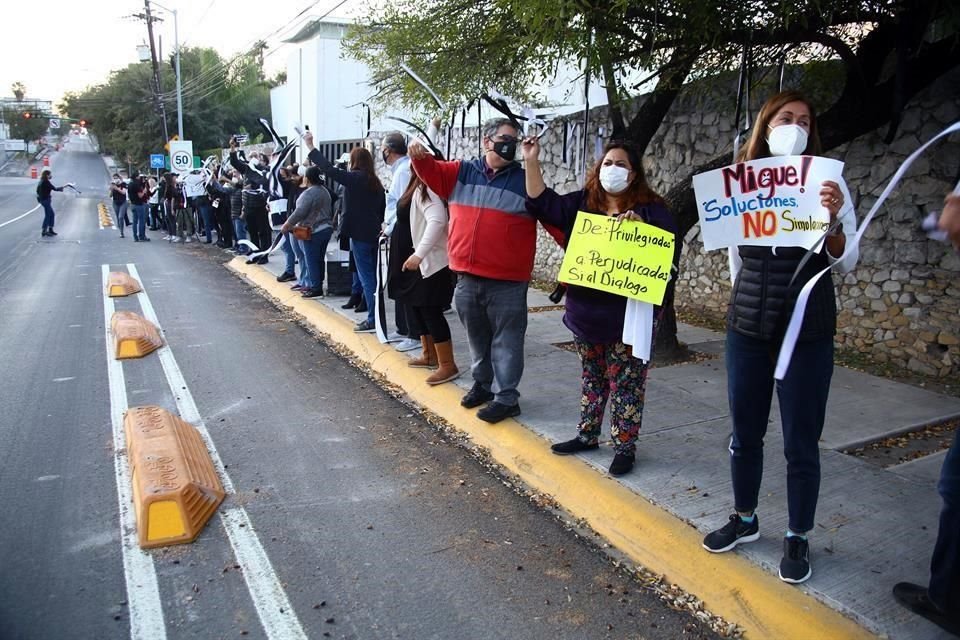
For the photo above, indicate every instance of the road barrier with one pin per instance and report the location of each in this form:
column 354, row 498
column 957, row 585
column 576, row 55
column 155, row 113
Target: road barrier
column 120, row 284
column 133, row 335
column 175, row 485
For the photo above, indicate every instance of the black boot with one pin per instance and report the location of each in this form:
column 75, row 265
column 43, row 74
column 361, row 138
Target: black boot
column 352, row 302
column 362, row 307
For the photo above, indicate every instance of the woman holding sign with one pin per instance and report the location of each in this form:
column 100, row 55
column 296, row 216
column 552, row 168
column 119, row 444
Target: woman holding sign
column 766, row 282
column 616, row 186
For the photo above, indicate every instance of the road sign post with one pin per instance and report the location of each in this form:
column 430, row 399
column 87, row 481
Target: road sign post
column 181, row 156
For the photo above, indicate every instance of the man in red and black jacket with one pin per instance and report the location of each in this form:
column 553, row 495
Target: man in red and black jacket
column 492, row 244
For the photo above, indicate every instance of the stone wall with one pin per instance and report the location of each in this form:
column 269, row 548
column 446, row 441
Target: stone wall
column 901, row 305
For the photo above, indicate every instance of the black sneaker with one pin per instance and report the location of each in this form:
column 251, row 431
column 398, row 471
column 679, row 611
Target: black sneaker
column 313, row 293
column 495, row 412
column 917, row 599
column 286, row 276
column 573, row 446
column 476, row 396
column 795, row 564
column 735, row 532
column 51, row 232
column 622, row 464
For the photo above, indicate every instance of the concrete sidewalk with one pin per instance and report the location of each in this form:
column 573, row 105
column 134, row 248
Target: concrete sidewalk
column 864, row 540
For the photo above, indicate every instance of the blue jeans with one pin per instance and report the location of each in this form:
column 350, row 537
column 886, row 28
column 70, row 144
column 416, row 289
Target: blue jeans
column 803, row 406
column 365, row 256
column 120, row 213
column 139, row 219
column 494, row 313
column 48, row 214
column 293, row 254
column 945, row 565
column 315, row 252
column 206, row 213
column 240, row 233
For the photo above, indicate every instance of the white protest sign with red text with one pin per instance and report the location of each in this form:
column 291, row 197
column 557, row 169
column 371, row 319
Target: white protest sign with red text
column 771, row 202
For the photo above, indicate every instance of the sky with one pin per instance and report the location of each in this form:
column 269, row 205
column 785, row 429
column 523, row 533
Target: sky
column 71, row 45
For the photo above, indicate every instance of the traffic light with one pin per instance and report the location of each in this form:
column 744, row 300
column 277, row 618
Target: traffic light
column 83, row 123
column 27, row 115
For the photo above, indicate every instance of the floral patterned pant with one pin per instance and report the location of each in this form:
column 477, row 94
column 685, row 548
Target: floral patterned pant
column 611, row 371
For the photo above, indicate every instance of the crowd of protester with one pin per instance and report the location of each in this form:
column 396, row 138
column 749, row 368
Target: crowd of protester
column 464, row 232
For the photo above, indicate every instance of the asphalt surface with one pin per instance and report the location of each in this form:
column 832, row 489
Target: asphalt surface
column 373, row 524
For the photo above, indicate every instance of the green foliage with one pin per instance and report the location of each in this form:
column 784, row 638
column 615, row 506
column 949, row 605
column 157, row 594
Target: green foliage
column 219, row 96
column 23, row 128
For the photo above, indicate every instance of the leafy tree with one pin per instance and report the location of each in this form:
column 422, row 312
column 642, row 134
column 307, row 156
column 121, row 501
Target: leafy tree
column 219, row 96
column 883, row 52
column 22, row 127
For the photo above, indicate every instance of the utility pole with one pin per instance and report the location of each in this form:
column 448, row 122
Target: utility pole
column 156, row 71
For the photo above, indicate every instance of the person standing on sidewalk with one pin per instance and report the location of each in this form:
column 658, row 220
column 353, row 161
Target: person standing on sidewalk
column 762, row 300
column 939, row 601
column 44, row 190
column 423, row 283
column 616, row 186
column 118, row 193
column 363, row 206
column 492, row 242
column 313, row 211
column 394, row 155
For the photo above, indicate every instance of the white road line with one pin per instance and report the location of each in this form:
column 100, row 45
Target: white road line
column 143, row 593
column 22, row 215
column 276, row 614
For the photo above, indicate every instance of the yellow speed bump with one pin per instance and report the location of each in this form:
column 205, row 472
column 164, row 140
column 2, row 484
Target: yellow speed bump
column 121, row 284
column 133, row 335
column 175, row 486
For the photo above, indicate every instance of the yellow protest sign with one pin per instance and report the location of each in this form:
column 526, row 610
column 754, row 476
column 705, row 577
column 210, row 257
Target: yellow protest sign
column 625, row 257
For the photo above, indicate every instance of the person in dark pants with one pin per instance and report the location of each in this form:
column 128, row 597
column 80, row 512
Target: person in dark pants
column 363, row 207
column 254, row 213
column 939, row 601
column 118, row 193
column 762, row 300
column 44, row 190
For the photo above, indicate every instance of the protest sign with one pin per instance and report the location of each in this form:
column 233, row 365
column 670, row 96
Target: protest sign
column 625, row 257
column 771, row 202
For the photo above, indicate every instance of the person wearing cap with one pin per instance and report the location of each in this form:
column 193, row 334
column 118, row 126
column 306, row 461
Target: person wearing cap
column 394, row 155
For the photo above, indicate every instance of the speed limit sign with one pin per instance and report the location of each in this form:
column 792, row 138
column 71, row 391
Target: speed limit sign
column 181, row 155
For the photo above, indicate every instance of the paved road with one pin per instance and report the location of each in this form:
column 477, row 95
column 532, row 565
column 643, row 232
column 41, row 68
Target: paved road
column 350, row 517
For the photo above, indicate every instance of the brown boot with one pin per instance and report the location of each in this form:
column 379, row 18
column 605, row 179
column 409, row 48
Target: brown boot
column 428, row 359
column 448, row 368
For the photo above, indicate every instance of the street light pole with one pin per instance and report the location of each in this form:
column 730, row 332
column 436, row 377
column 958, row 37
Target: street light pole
column 176, row 46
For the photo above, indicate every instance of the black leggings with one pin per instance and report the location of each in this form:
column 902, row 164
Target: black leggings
column 428, row 321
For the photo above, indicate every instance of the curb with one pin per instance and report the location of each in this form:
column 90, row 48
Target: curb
column 729, row 585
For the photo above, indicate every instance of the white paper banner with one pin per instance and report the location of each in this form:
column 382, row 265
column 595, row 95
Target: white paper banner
column 771, row 202
column 796, row 319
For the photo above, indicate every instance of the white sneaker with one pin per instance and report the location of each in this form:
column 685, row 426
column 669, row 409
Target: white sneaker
column 178, row 239
column 187, row 239
column 395, row 337
column 407, row 344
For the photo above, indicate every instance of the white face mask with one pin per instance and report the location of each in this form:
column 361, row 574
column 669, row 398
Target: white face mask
column 614, row 179
column 787, row 140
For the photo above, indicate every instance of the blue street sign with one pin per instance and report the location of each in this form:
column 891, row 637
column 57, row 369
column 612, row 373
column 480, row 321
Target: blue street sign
column 157, row 160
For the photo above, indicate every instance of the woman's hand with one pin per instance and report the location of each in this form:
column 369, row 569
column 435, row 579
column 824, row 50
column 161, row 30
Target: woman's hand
column 286, row 228
column 630, row 215
column 831, row 198
column 412, row 263
column 530, row 148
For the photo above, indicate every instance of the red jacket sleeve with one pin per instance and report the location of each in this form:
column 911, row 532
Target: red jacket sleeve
column 440, row 177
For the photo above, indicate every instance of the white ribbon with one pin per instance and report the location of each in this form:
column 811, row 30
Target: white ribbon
column 638, row 328
column 796, row 319
column 277, row 244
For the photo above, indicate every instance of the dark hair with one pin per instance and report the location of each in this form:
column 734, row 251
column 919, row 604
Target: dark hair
column 45, row 174
column 361, row 160
column 639, row 192
column 313, row 175
column 415, row 184
column 757, row 146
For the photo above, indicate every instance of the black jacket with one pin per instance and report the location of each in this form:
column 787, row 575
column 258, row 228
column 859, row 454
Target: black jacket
column 45, row 188
column 763, row 299
column 363, row 206
column 254, row 203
